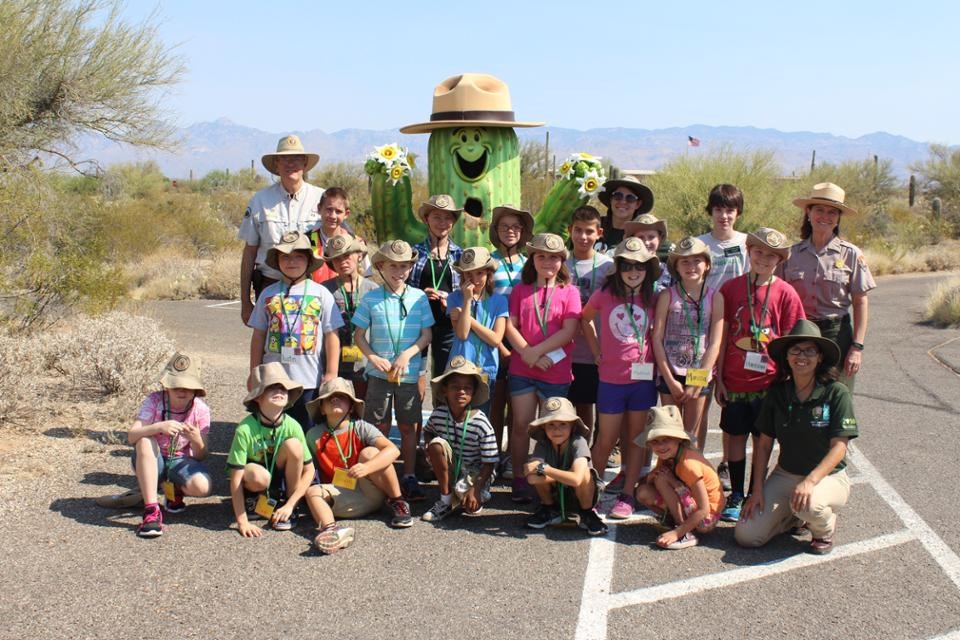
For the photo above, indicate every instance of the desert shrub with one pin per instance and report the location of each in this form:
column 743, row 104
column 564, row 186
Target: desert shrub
column 19, row 384
column 140, row 180
column 939, row 177
column 220, row 279
column 943, row 305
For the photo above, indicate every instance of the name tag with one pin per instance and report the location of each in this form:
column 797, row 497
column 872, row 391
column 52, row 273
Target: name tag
column 169, row 490
column 697, row 377
column 351, row 353
column 756, row 362
column 732, row 251
column 265, row 506
column 343, row 480
column 288, row 355
column 557, row 355
column 641, row 371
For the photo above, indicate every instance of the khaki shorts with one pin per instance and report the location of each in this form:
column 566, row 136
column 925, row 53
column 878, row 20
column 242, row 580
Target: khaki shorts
column 468, row 477
column 354, row 503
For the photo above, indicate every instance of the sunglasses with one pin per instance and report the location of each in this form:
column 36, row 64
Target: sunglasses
column 510, row 228
column 619, row 195
column 810, row 352
column 626, row 267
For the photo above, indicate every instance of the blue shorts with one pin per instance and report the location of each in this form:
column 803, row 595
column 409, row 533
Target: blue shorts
column 179, row 471
column 518, row 385
column 620, row 398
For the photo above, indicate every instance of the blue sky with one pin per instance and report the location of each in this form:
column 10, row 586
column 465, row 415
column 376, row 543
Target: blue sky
column 848, row 68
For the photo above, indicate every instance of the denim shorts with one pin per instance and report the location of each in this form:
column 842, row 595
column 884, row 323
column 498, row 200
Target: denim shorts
column 518, row 386
column 620, row 398
column 180, row 470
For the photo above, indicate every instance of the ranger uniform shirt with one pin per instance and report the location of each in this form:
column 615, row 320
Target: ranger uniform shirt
column 827, row 280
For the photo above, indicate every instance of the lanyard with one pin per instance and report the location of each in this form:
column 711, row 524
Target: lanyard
column 686, row 314
column 480, row 315
column 393, row 340
column 463, row 437
column 756, row 327
column 542, row 317
column 560, row 486
column 433, row 274
column 593, row 274
column 167, row 412
column 633, row 323
column 283, row 309
column 349, row 300
column 276, row 441
column 509, row 268
column 336, row 441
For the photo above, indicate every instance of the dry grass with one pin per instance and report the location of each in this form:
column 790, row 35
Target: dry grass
column 944, row 256
column 168, row 275
column 943, row 305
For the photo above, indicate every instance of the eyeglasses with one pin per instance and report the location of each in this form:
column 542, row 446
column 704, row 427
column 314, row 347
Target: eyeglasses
column 810, row 352
column 510, row 228
column 619, row 195
column 626, row 267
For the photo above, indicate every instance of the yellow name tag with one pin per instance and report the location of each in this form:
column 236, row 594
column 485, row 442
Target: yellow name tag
column 169, row 490
column 265, row 506
column 351, row 353
column 697, row 377
column 343, row 480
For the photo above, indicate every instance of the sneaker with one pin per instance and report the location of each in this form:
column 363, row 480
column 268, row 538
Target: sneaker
column 410, row 488
column 545, row 516
column 689, row 540
column 622, row 508
column 438, row 512
column 615, row 459
column 615, row 485
column 731, row 512
column 723, row 470
column 591, row 523
column 152, row 525
column 401, row 514
column 520, row 492
column 177, row 505
column 821, row 546
column 506, row 469
column 285, row 525
column 333, row 538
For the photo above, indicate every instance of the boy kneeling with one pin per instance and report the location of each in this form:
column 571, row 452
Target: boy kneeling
column 560, row 465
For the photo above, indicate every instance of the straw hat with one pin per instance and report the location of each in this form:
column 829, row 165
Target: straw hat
column 268, row 374
column 558, row 409
column 509, row 210
column 184, row 371
column 341, row 245
column 475, row 258
column 547, row 243
column 394, row 251
column 804, row 331
column 289, row 242
column 333, row 387
column 663, row 422
column 462, row 366
column 470, row 99
column 288, row 146
column 689, row 246
column 639, row 189
column 825, row 193
column 770, row 239
column 634, row 249
column 439, row 202
column 646, row 221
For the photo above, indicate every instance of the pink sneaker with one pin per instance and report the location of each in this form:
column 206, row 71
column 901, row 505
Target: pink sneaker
column 622, row 508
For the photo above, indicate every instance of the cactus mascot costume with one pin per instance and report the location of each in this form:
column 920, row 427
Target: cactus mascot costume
column 473, row 155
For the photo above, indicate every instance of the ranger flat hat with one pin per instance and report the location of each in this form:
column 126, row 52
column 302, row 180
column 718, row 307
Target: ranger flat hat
column 825, row 193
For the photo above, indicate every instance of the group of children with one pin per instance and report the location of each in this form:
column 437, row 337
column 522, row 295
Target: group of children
column 560, row 333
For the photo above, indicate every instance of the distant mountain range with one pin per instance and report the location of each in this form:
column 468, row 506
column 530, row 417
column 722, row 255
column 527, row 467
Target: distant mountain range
column 223, row 144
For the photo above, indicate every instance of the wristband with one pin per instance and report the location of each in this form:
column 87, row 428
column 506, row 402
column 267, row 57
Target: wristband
column 857, row 345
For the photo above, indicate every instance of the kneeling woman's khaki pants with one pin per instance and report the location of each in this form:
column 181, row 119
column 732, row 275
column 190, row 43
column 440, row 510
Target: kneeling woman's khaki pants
column 777, row 517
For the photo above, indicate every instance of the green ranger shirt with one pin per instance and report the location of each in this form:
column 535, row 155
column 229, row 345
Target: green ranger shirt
column 255, row 442
column 804, row 429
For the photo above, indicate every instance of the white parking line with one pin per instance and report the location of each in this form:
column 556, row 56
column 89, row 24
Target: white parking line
column 222, row 304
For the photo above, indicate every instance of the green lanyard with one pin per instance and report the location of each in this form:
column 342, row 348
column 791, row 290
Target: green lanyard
column 349, row 299
column 686, row 314
column 394, row 340
column 593, row 274
column 463, row 436
column 336, row 441
column 509, row 268
column 167, row 412
column 433, row 274
column 756, row 327
column 480, row 315
column 542, row 317
column 286, row 319
column 276, row 441
column 561, row 488
column 633, row 323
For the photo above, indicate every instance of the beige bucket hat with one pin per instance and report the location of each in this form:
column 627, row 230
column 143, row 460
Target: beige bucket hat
column 663, row 422
column 689, row 246
column 770, row 239
column 646, row 221
column 547, row 243
column 639, row 189
column 289, row 242
column 395, row 251
column 184, row 371
column 462, row 366
column 341, row 245
column 288, row 146
column 634, row 249
column 828, row 194
column 439, row 202
column 804, row 331
column 333, row 387
column 558, row 409
column 268, row 374
column 470, row 99
column 509, row 210
column 474, row 259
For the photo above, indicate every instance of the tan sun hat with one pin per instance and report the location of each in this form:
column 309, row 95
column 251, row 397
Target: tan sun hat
column 462, row 366
column 689, row 246
column 474, row 259
column 663, row 422
column 805, row 331
column 394, row 251
column 268, row 374
column 509, row 210
column 634, row 249
column 333, row 387
column 288, row 146
column 646, row 221
column 184, row 371
column 439, row 202
column 547, row 243
column 470, row 100
column 770, row 239
column 289, row 242
column 825, row 193
column 639, row 189
column 341, row 245
column 558, row 409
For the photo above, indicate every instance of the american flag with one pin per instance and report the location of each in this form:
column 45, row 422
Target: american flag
column 693, row 142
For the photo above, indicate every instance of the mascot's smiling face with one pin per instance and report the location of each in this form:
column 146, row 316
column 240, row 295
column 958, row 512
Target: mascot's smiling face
column 470, row 148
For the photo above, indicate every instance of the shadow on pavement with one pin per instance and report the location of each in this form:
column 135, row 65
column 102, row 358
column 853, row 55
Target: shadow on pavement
column 203, row 515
